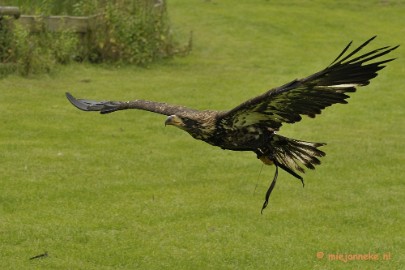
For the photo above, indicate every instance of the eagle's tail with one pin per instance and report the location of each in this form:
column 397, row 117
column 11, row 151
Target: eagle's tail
column 291, row 155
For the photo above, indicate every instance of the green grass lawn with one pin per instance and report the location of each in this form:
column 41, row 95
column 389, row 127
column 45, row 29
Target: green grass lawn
column 121, row 191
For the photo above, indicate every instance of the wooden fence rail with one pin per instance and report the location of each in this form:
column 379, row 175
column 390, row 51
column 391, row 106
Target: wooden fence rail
column 10, row 11
column 36, row 23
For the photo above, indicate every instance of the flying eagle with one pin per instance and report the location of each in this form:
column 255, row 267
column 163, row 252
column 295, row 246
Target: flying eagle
column 253, row 125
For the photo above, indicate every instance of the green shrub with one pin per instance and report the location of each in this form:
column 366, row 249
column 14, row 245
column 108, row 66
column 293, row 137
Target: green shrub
column 130, row 32
column 6, row 52
column 134, row 32
column 33, row 53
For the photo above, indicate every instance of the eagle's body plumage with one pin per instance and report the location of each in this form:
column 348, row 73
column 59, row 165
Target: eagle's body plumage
column 252, row 125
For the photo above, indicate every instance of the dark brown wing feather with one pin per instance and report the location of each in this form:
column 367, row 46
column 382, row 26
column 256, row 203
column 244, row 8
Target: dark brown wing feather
column 309, row 96
column 112, row 106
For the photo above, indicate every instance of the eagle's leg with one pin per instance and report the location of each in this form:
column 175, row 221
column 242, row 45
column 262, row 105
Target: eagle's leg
column 269, row 160
column 269, row 190
column 285, row 168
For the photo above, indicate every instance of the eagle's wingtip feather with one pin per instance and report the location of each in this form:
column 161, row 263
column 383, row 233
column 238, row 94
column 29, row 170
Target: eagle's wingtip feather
column 77, row 103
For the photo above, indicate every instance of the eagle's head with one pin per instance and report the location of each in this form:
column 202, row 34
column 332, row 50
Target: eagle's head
column 196, row 126
column 177, row 121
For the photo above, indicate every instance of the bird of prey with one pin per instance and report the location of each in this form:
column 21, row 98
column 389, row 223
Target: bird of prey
column 254, row 124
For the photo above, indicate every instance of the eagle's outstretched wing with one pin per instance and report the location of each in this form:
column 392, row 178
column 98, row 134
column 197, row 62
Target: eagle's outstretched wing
column 111, row 106
column 310, row 95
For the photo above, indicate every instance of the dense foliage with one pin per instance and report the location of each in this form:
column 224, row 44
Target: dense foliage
column 134, row 32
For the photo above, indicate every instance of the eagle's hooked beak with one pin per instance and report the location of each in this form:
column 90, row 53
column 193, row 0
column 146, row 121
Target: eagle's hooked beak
column 174, row 120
